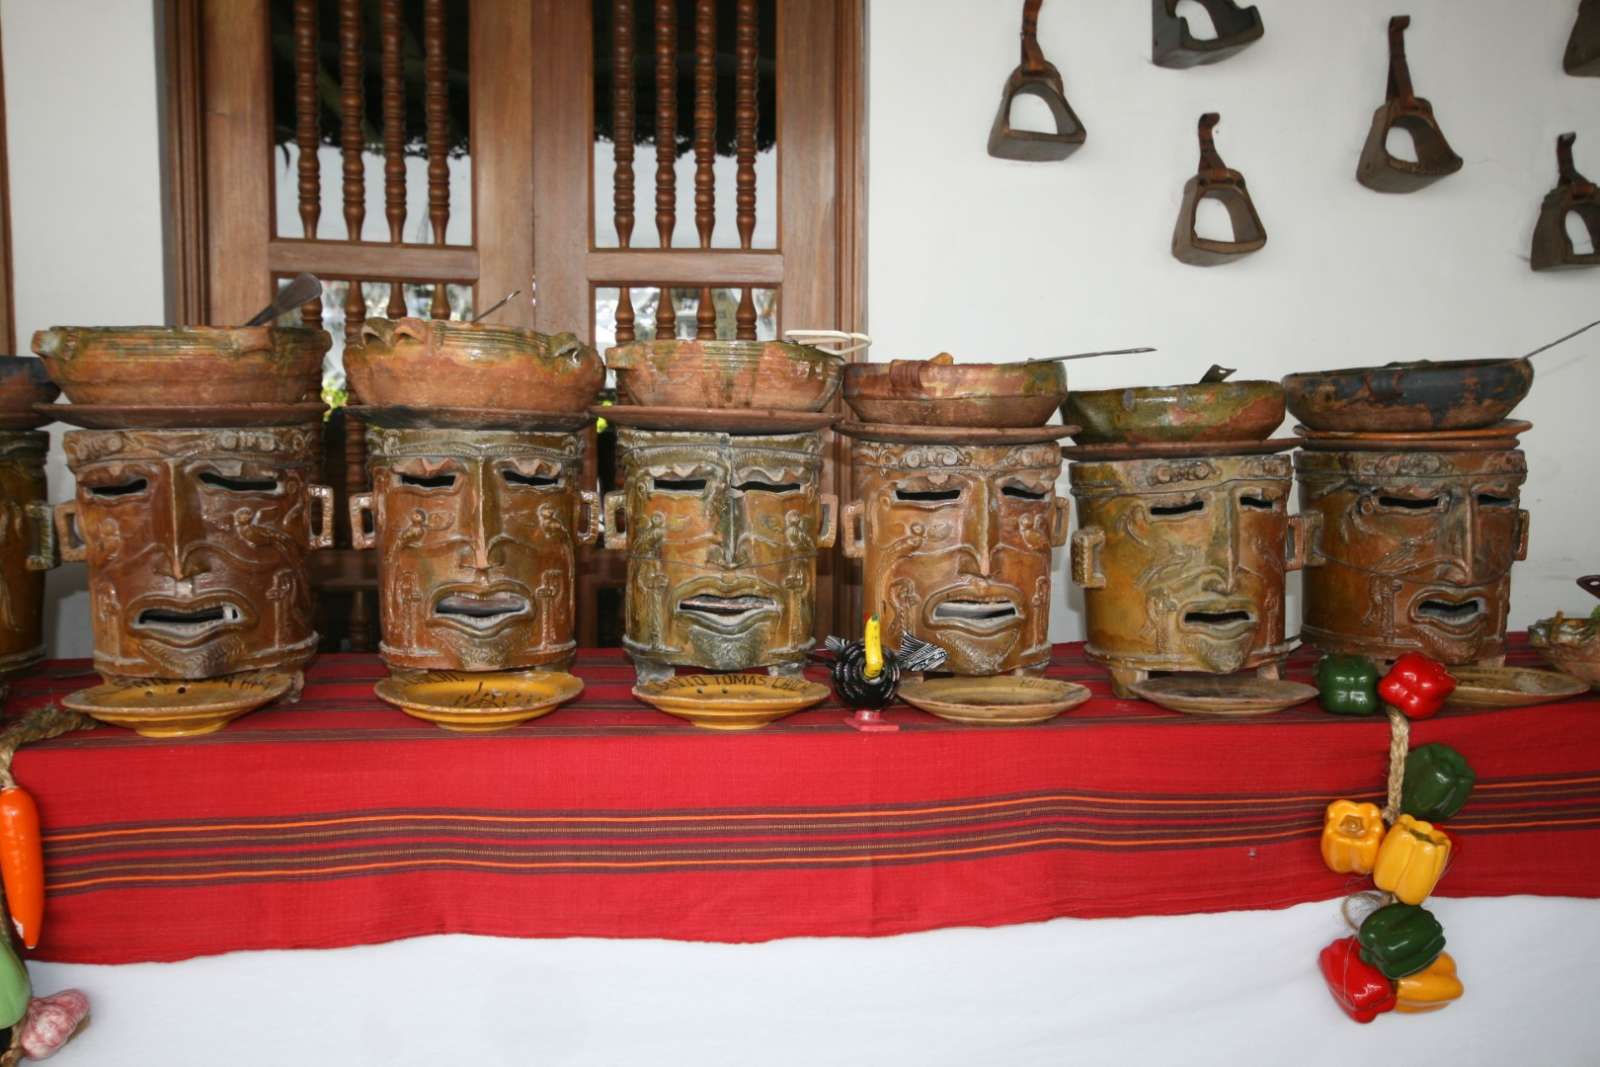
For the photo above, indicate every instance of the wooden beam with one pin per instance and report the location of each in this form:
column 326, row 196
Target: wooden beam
column 238, row 145
column 501, row 50
column 684, row 268
column 373, row 260
column 183, row 172
column 563, row 164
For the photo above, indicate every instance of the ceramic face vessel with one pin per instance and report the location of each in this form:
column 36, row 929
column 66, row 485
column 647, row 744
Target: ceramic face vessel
column 196, row 543
column 955, row 546
column 26, row 548
column 722, row 533
column 1183, row 561
column 1416, row 551
column 477, row 535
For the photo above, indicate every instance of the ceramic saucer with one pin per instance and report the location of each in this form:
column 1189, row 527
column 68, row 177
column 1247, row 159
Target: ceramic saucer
column 478, row 702
column 414, row 418
column 955, row 435
column 1511, row 687
column 1003, row 700
column 1495, row 437
column 1222, row 695
column 712, row 420
column 181, row 417
column 177, row 708
column 731, row 701
column 1177, row 450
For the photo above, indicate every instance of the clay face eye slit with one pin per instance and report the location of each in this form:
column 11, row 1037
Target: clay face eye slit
column 532, row 481
column 240, row 485
column 1406, row 503
column 767, row 487
column 927, row 496
column 678, row 485
column 1172, row 511
column 137, row 485
column 1494, row 500
column 427, row 481
column 1022, row 492
column 1258, row 502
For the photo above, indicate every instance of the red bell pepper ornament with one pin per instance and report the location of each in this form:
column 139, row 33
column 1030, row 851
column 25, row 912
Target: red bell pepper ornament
column 1358, row 987
column 1417, row 685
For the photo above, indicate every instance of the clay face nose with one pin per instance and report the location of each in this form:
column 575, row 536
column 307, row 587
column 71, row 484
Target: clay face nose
column 179, row 526
column 980, row 524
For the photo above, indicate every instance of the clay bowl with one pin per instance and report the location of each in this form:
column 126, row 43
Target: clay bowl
column 207, row 366
column 1410, row 397
column 1571, row 646
column 430, row 363
column 725, row 374
column 1203, row 411
column 942, row 392
column 24, row 383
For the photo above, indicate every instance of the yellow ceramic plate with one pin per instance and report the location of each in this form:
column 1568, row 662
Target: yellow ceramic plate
column 1003, row 700
column 731, row 701
column 1511, row 687
column 477, row 702
column 160, row 708
column 1223, row 695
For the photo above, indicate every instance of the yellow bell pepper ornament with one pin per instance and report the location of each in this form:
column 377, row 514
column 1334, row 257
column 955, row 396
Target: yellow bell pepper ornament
column 1411, row 859
column 1352, row 834
column 1430, row 989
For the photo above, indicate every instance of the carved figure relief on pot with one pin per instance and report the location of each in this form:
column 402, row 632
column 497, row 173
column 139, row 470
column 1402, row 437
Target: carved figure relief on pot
column 196, row 543
column 1183, row 561
column 1417, row 550
column 26, row 548
column 722, row 533
column 477, row 534
column 955, row 543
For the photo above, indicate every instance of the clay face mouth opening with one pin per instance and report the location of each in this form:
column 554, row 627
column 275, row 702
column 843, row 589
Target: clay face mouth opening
column 177, row 624
column 1451, row 612
column 1226, row 623
column 480, row 611
column 726, row 612
column 976, row 614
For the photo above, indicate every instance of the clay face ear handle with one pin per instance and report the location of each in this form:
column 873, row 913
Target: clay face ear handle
column 588, row 521
column 360, row 508
column 69, row 544
column 851, row 535
column 1086, row 545
column 322, row 535
column 1061, row 518
column 42, row 555
column 1305, row 542
column 616, row 532
column 828, row 528
column 1524, row 521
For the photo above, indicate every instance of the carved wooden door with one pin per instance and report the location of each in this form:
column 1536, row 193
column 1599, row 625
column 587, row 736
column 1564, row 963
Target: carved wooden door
column 430, row 156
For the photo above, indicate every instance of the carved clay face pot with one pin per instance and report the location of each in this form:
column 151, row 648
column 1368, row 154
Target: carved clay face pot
column 26, row 548
column 722, row 533
column 1182, row 562
column 955, row 542
column 477, row 534
column 1417, row 550
column 196, row 543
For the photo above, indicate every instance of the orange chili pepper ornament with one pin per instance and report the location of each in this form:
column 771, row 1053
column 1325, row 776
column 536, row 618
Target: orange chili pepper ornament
column 22, row 862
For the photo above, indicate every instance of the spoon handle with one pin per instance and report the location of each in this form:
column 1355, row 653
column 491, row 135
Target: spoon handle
column 1090, row 355
column 1559, row 340
column 302, row 290
column 496, row 306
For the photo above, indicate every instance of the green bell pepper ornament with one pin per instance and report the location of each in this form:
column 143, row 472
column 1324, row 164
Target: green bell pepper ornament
column 1401, row 939
column 14, row 986
column 1438, row 781
column 1347, row 685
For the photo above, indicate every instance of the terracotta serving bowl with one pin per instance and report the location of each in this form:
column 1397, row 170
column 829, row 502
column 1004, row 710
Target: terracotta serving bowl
column 24, row 383
column 725, row 374
column 430, row 363
column 942, row 392
column 1203, row 411
column 201, row 366
column 1571, row 646
column 1410, row 397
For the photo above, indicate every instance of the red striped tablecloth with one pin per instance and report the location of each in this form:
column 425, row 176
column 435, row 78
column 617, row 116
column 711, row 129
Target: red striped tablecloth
column 340, row 821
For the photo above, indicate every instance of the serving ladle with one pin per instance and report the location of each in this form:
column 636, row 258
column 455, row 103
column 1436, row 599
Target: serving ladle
column 301, row 290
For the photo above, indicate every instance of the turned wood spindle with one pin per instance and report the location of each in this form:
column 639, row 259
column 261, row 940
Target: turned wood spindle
column 705, row 148
column 745, row 54
column 666, row 120
column 308, row 133
column 394, row 138
column 622, row 126
column 352, row 95
column 435, row 74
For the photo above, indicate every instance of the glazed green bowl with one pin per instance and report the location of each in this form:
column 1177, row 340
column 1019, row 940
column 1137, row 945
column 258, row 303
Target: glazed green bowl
column 1204, row 411
column 1571, row 646
column 942, row 392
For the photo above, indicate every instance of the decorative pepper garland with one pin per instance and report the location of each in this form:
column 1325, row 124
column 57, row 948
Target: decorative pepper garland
column 31, row 1027
column 1396, row 959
